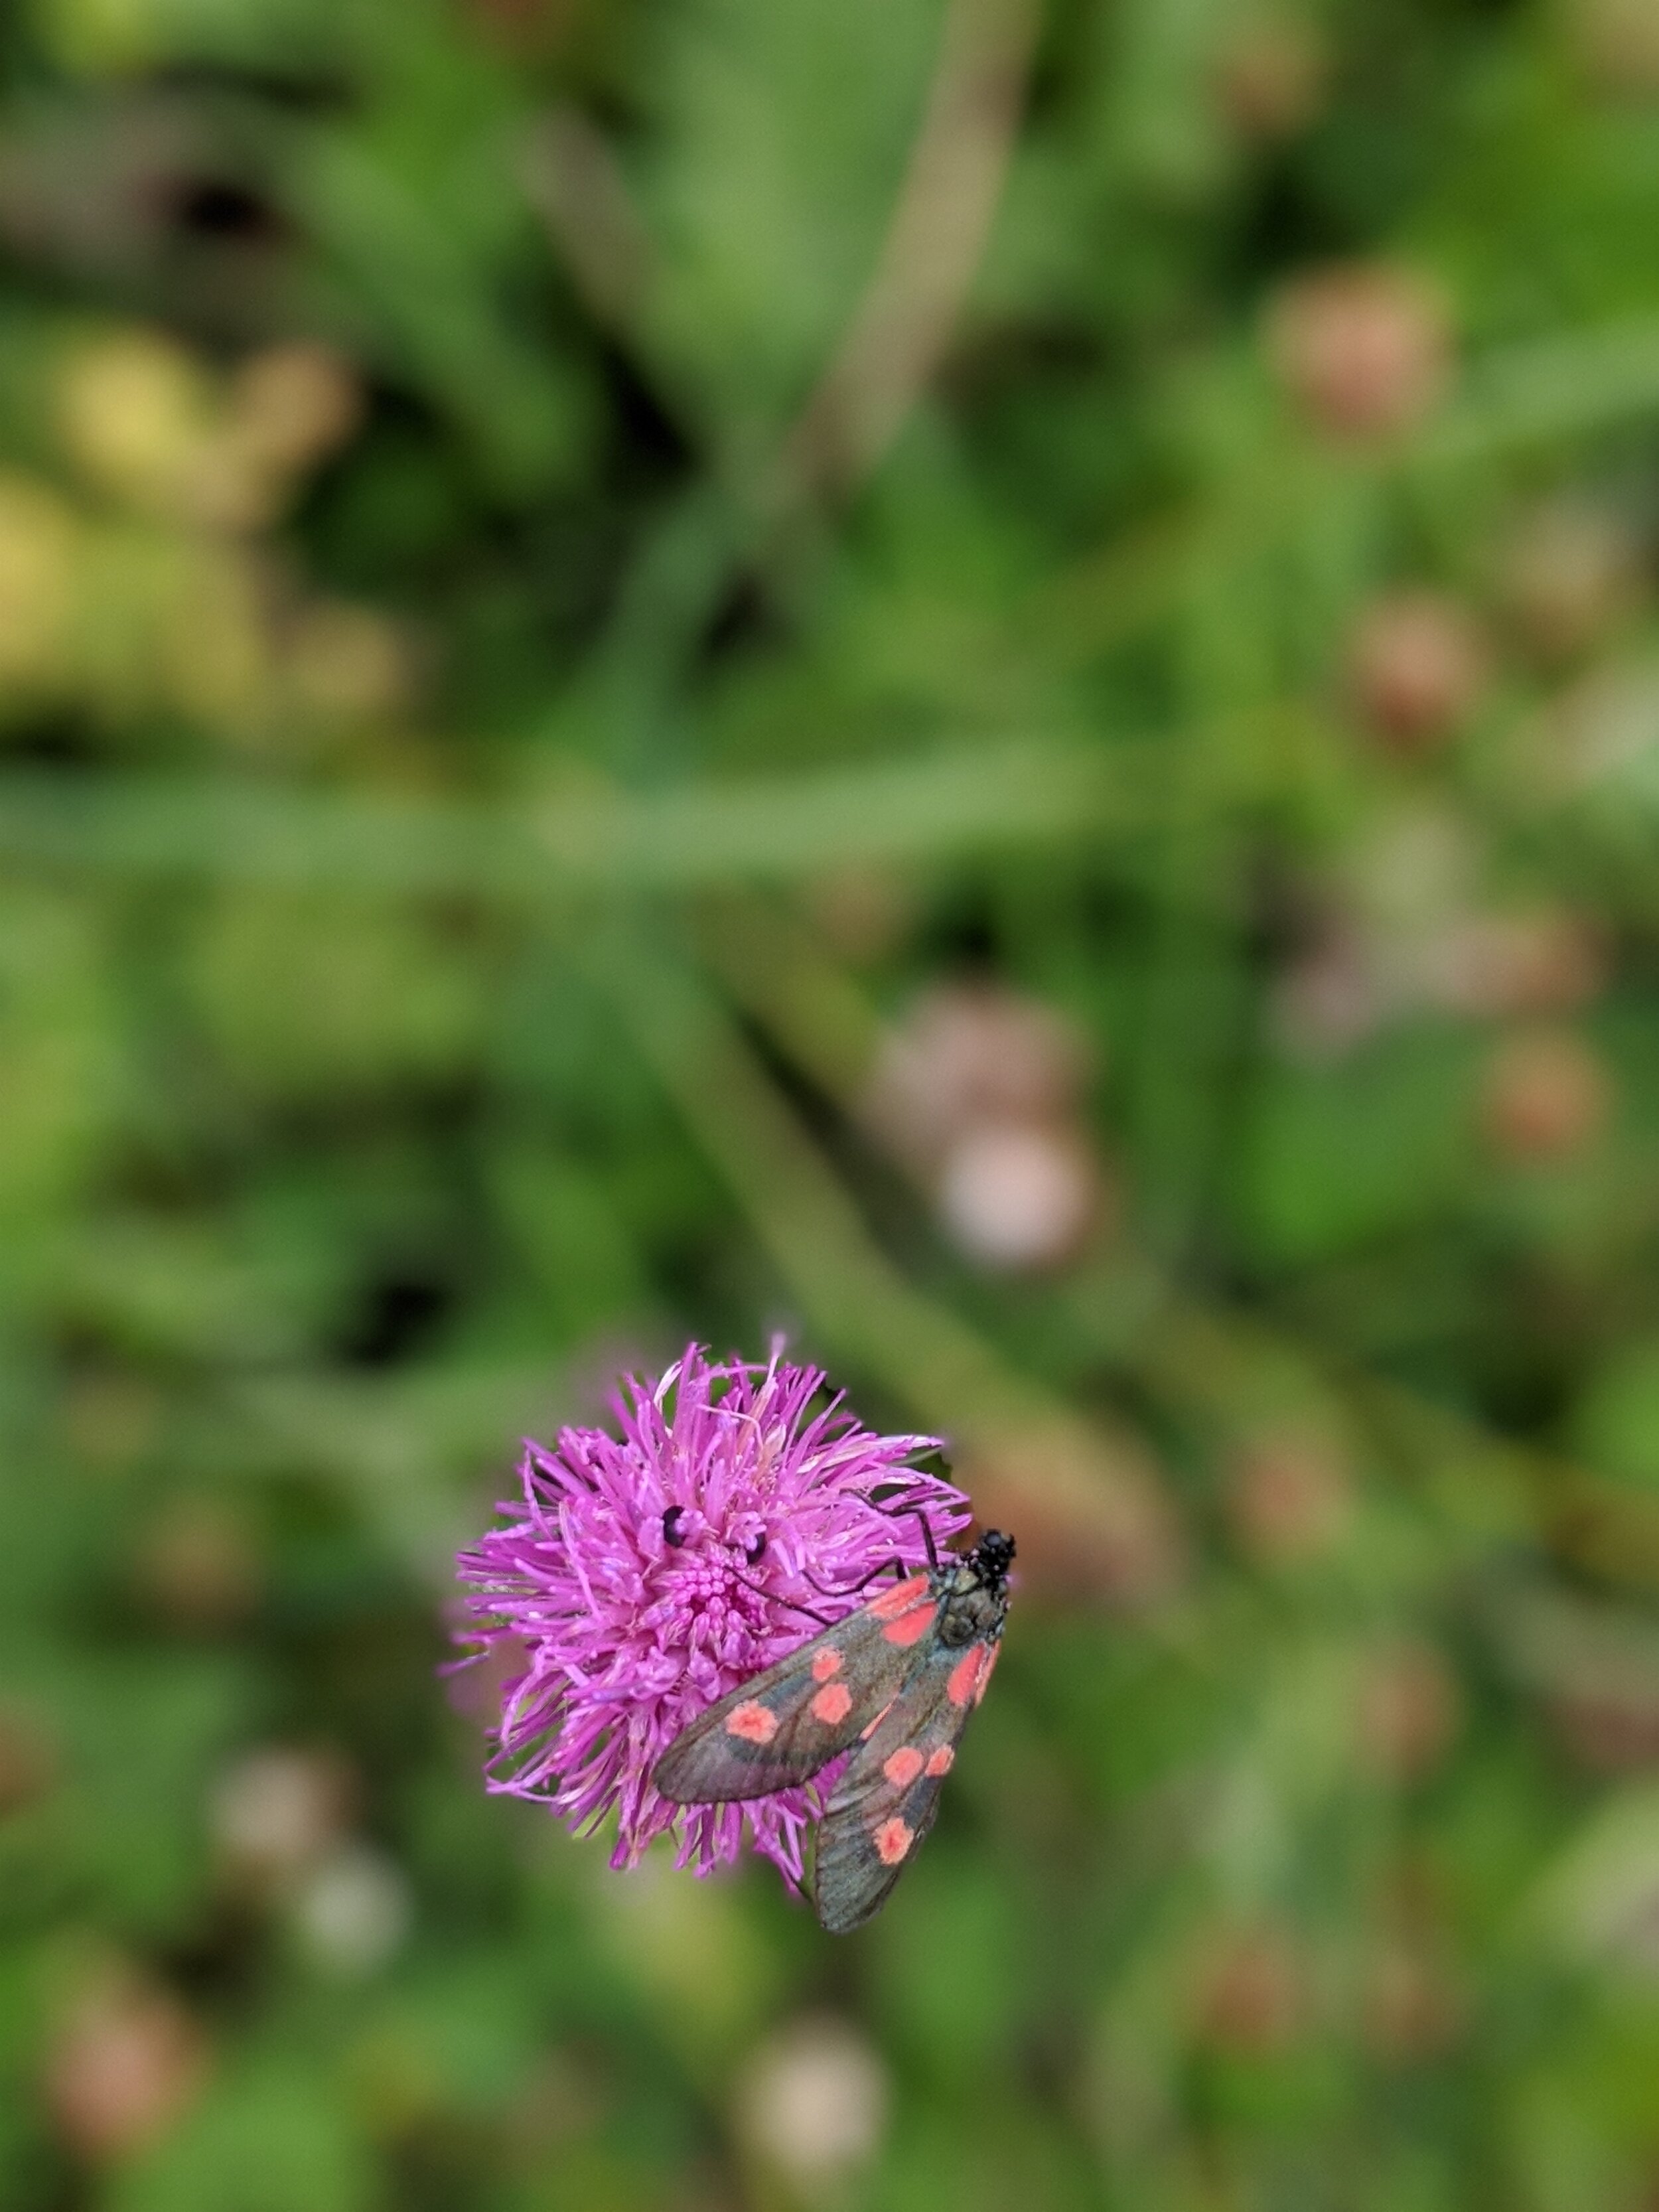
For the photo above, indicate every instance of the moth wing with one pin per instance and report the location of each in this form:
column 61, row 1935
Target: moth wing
column 889, row 1797
column 779, row 1728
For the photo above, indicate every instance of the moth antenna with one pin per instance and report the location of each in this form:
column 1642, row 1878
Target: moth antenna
column 916, row 1514
column 788, row 1602
column 848, row 1590
column 851, row 1590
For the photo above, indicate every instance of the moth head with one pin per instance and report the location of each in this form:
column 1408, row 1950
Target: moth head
column 993, row 1555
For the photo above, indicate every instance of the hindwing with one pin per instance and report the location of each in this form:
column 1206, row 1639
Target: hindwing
column 886, row 1801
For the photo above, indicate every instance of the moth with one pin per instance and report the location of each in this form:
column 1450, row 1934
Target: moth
column 896, row 1683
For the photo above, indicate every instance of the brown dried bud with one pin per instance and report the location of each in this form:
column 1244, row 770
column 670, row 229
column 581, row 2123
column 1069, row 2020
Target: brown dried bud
column 1364, row 350
column 1271, row 76
column 197, row 1567
column 1289, row 1499
column 28, row 1761
column 122, row 2067
column 1569, row 574
column 966, row 1054
column 1546, row 1096
column 1409, row 2009
column 1418, row 666
column 292, row 405
column 1607, row 1731
column 1253, row 1993
column 1546, row 961
column 1409, row 1710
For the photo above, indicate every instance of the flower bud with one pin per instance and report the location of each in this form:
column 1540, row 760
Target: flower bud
column 1364, row 350
column 1409, row 1710
column 196, row 1567
column 1409, row 2009
column 1419, row 666
column 134, row 409
column 1549, row 961
column 353, row 1910
column 124, row 2065
column 277, row 1813
column 1611, row 1728
column 294, row 405
column 1270, row 76
column 1017, row 1196
column 1329, row 998
column 1570, row 574
column 813, row 2102
column 1253, row 1995
column 1547, row 1095
column 345, row 664
column 1289, row 1499
column 968, row 1055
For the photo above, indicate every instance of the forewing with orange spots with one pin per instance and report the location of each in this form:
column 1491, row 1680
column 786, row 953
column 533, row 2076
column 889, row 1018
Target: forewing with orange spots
column 781, row 1728
column 885, row 1802
column 898, row 1678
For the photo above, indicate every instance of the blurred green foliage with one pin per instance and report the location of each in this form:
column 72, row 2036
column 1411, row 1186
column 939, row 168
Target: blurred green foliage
column 980, row 681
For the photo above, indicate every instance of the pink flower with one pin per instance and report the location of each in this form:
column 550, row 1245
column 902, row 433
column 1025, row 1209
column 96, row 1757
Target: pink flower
column 640, row 1578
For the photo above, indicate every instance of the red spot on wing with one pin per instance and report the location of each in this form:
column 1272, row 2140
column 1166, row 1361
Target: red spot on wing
column 751, row 1721
column 971, row 1673
column 942, row 1760
column 910, row 1628
column 864, row 1734
column 833, row 1703
column 827, row 1662
column 899, row 1598
column 892, row 1839
column 903, row 1766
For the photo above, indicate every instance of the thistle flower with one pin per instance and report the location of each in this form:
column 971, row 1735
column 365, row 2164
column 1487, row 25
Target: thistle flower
column 644, row 1576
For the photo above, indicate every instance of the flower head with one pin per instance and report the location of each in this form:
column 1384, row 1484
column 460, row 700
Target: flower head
column 642, row 1576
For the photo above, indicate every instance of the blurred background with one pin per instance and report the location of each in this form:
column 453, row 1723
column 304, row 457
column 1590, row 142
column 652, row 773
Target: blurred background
column 977, row 680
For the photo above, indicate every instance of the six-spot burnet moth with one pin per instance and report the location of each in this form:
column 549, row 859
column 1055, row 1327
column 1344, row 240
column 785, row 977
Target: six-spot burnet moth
column 894, row 1683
